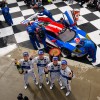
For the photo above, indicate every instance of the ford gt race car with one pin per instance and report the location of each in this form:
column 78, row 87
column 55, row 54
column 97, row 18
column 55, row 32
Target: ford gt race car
column 59, row 36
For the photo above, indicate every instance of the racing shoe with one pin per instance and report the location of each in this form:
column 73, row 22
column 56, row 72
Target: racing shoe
column 36, row 83
column 60, row 83
column 51, row 86
column 67, row 93
column 25, row 87
column 62, row 87
column 93, row 61
column 47, row 82
column 40, row 86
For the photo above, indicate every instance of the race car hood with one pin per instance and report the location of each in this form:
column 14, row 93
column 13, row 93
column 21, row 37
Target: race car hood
column 61, row 44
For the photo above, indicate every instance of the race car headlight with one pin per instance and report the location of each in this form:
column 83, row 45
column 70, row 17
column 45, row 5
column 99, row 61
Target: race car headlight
column 87, row 36
column 59, row 32
column 77, row 50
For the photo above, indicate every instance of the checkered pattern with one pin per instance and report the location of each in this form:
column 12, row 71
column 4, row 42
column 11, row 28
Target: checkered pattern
column 89, row 21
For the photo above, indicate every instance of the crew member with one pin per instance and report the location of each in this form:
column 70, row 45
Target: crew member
column 7, row 15
column 27, row 66
column 41, row 62
column 32, row 35
column 42, row 35
column 46, row 12
column 90, row 48
column 3, row 3
column 66, row 74
column 54, row 69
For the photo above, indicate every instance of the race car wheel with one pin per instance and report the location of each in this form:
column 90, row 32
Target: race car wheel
column 65, row 52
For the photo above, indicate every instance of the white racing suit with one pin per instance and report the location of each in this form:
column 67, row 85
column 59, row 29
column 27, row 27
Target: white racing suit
column 64, row 78
column 27, row 66
column 54, row 72
column 41, row 64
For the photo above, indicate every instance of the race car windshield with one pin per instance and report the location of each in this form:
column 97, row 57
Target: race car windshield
column 67, row 36
column 44, row 23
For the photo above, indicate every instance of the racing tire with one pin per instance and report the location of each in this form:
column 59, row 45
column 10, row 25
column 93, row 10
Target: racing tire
column 66, row 52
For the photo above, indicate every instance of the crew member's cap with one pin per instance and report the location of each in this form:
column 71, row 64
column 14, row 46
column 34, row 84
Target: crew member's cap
column 40, row 52
column 64, row 62
column 25, row 54
column 55, row 58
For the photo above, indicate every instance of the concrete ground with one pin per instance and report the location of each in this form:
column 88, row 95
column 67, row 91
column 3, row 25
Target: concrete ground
column 85, row 86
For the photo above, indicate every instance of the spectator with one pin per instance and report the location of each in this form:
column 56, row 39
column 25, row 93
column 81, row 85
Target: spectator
column 70, row 1
column 20, row 96
column 83, row 2
column 29, row 2
column 98, row 6
column 26, row 98
column 92, row 4
column 37, row 5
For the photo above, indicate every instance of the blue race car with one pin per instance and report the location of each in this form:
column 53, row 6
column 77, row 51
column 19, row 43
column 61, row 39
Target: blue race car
column 65, row 40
